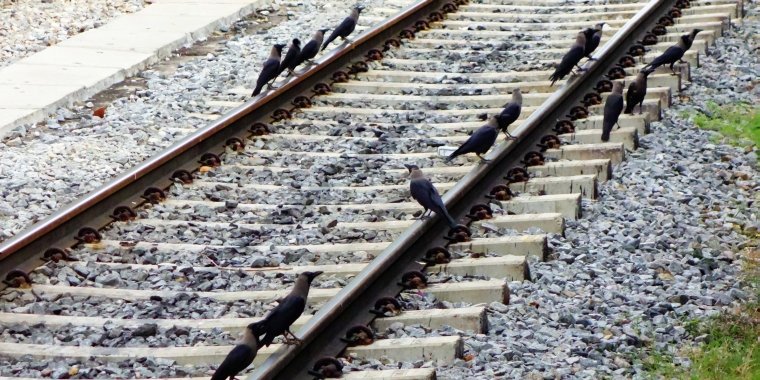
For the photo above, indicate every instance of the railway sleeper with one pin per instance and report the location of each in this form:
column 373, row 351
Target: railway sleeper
column 549, row 222
column 509, row 266
column 592, row 122
column 506, row 81
column 470, row 318
column 437, row 348
column 522, row 243
column 493, row 290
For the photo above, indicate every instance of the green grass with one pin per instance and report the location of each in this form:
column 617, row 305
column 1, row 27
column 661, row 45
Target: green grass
column 737, row 124
column 731, row 346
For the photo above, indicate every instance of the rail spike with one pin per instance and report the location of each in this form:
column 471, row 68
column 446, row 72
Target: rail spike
column 56, row 254
column 459, row 234
column 281, row 114
column 18, row 279
column 210, row 159
column 592, row 99
column 480, row 212
column 321, row 89
column 387, row 307
column 123, row 214
column 358, row 335
column 301, row 102
column 153, row 195
column 533, row 159
column 407, row 34
column 182, row 176
column 259, row 129
column 327, row 368
column 563, row 127
column 549, row 142
column 516, row 175
column 437, row 255
column 578, row 112
column 413, row 280
column 235, row 144
column 501, row 193
column 88, row 235
column 375, row 55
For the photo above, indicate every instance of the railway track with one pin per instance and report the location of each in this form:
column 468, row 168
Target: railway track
column 311, row 177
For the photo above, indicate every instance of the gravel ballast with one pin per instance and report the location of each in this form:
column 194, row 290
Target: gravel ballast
column 28, row 26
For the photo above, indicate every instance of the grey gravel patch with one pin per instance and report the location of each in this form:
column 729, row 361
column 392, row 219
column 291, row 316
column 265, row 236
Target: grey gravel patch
column 28, row 26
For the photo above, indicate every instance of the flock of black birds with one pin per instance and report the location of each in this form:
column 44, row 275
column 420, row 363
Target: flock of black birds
column 274, row 66
column 290, row 308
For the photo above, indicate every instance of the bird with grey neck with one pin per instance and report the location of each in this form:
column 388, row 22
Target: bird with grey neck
column 637, row 91
column 345, row 28
column 480, row 141
column 290, row 61
column 510, row 113
column 279, row 320
column 674, row 53
column 593, row 38
column 310, row 50
column 270, row 69
column 570, row 59
column 242, row 355
column 613, row 106
column 427, row 195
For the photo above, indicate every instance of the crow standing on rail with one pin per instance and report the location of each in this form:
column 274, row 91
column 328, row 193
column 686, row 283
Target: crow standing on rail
column 480, row 141
column 346, row 27
column 593, row 38
column 269, row 70
column 241, row 355
column 426, row 195
column 612, row 108
column 311, row 48
column 291, row 307
column 637, row 90
column 675, row 52
column 571, row 58
column 291, row 59
column 510, row 113
column 689, row 39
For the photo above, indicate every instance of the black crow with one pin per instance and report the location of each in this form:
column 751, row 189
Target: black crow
column 241, row 355
column 593, row 38
column 674, row 53
column 345, row 28
column 270, row 69
column 311, row 48
column 291, row 58
column 510, row 113
column 571, row 58
column 426, row 195
column 480, row 141
column 291, row 307
column 612, row 108
column 637, row 90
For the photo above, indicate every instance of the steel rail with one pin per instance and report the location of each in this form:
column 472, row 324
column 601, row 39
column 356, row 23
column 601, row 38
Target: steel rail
column 321, row 334
column 57, row 230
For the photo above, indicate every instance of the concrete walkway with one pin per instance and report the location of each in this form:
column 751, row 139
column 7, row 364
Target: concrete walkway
column 90, row 62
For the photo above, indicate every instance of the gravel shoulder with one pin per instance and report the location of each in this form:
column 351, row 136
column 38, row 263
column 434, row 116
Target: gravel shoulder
column 28, row 26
